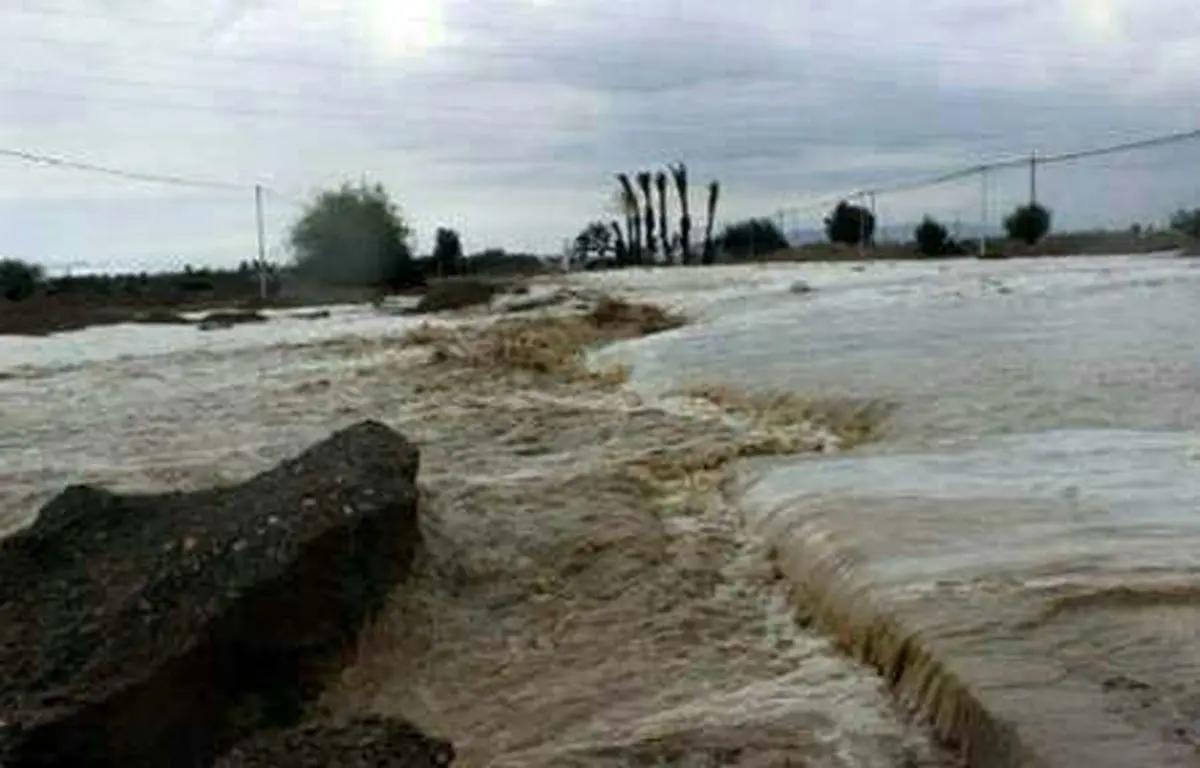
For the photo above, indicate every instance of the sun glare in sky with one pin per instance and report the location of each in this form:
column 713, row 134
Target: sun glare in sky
column 410, row 28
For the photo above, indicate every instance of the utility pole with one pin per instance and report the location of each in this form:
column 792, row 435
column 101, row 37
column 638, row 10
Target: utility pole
column 983, row 212
column 874, row 220
column 862, row 225
column 1033, row 178
column 262, row 247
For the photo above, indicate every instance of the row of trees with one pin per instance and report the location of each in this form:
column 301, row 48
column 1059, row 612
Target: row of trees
column 646, row 238
column 1027, row 224
column 601, row 244
column 1186, row 222
column 853, row 224
column 640, row 245
column 356, row 235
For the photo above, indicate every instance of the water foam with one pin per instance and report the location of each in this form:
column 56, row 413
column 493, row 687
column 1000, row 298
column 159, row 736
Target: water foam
column 998, row 651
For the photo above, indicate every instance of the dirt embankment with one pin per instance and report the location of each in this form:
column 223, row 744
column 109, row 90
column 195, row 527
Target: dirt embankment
column 162, row 629
column 43, row 315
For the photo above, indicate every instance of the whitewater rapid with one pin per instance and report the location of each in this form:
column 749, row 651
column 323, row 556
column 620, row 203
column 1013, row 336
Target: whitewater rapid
column 1020, row 554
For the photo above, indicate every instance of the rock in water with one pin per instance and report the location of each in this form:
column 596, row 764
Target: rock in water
column 368, row 742
column 157, row 630
column 219, row 320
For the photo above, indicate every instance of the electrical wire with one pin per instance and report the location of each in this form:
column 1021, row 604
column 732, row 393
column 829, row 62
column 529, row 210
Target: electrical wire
column 1012, row 162
column 80, row 165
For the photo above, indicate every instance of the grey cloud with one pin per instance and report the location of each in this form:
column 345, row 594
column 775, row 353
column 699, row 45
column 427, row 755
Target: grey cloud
column 516, row 127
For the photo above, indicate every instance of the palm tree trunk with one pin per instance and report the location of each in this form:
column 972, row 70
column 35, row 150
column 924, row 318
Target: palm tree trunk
column 660, row 182
column 679, row 172
column 714, row 194
column 643, row 181
column 622, row 256
column 629, row 204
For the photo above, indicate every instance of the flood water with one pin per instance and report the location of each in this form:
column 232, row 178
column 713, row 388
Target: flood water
column 559, row 614
column 1031, row 515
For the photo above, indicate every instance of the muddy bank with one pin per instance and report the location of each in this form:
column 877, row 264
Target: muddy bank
column 42, row 316
column 161, row 629
column 366, row 741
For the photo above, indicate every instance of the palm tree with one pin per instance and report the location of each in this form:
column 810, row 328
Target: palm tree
column 660, row 182
column 633, row 221
column 643, row 182
column 679, row 172
column 714, row 194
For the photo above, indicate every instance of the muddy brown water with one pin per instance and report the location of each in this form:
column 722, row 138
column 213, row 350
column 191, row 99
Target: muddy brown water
column 1016, row 557
column 560, row 615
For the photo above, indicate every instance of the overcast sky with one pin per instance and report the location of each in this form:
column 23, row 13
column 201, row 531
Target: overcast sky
column 507, row 118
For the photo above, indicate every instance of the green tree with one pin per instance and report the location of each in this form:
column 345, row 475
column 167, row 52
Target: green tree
column 593, row 244
column 932, row 238
column 850, row 225
column 1028, row 223
column 19, row 279
column 447, row 252
column 1186, row 222
column 354, row 235
column 751, row 237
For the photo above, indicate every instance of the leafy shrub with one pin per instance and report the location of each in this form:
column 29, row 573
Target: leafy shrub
column 850, row 224
column 447, row 252
column 354, row 236
column 1187, row 222
column 19, row 279
column 751, row 237
column 932, row 238
column 1028, row 223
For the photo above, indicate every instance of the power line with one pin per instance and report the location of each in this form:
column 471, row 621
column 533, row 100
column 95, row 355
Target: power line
column 158, row 178
column 1128, row 146
column 921, row 183
column 1014, row 162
